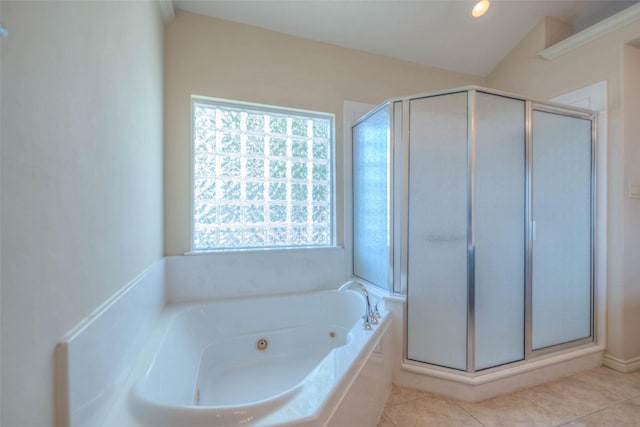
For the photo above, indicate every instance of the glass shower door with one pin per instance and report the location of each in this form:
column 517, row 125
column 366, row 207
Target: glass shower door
column 561, row 229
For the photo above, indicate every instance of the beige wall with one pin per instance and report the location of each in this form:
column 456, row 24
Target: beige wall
column 81, row 132
column 211, row 57
column 522, row 71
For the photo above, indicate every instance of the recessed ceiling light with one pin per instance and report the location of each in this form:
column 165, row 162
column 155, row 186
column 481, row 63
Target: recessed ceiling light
column 480, row 8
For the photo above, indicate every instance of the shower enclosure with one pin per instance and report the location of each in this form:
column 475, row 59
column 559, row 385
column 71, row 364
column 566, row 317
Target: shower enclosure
column 479, row 206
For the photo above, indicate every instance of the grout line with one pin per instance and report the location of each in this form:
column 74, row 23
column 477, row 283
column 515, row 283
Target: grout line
column 604, row 408
column 467, row 412
column 387, row 418
column 405, row 401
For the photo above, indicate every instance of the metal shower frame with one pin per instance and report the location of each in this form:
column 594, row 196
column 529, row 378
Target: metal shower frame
column 398, row 203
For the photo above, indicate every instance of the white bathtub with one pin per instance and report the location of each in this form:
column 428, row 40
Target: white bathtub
column 209, row 367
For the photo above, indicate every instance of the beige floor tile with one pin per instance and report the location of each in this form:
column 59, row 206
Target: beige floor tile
column 568, row 398
column 511, row 410
column 625, row 414
column 402, row 394
column 430, row 412
column 385, row 422
column 614, row 385
column 599, row 397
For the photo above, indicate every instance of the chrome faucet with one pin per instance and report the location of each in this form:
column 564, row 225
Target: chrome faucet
column 369, row 316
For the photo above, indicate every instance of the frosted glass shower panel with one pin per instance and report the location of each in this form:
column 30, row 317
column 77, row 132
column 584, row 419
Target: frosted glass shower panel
column 437, row 238
column 499, row 214
column 371, row 193
column 561, row 210
column 479, row 205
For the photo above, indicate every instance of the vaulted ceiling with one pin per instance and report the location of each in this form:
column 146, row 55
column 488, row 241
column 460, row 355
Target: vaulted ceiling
column 437, row 33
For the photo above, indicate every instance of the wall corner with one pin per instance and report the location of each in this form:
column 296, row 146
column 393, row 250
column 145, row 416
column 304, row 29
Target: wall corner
column 167, row 10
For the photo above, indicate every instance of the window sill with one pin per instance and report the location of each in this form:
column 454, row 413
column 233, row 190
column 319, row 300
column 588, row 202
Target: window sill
column 261, row 250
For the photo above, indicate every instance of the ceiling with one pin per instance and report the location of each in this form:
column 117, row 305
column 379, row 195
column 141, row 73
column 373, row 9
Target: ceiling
column 437, row 33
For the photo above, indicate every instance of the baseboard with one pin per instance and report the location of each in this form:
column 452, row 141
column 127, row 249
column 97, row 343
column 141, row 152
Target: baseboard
column 620, row 365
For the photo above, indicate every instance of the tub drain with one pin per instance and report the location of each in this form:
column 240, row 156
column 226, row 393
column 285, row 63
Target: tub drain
column 262, row 344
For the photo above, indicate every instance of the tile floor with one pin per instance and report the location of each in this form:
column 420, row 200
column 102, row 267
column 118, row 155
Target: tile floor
column 600, row 397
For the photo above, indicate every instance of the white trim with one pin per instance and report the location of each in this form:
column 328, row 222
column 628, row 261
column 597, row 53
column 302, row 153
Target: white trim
column 620, row 365
column 594, row 32
column 593, row 97
column 268, row 108
column 167, row 10
column 246, row 107
column 259, row 250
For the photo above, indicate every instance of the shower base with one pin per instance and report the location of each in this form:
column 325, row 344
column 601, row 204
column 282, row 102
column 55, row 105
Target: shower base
column 500, row 380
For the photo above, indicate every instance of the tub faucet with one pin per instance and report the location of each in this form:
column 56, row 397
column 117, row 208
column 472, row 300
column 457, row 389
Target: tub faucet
column 368, row 317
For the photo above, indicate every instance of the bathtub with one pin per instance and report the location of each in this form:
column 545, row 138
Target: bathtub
column 272, row 361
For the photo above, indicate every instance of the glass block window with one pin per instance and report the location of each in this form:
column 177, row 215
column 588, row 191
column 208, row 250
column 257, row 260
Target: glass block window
column 262, row 176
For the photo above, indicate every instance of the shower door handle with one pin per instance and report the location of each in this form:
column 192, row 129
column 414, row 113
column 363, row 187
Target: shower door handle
column 532, row 230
